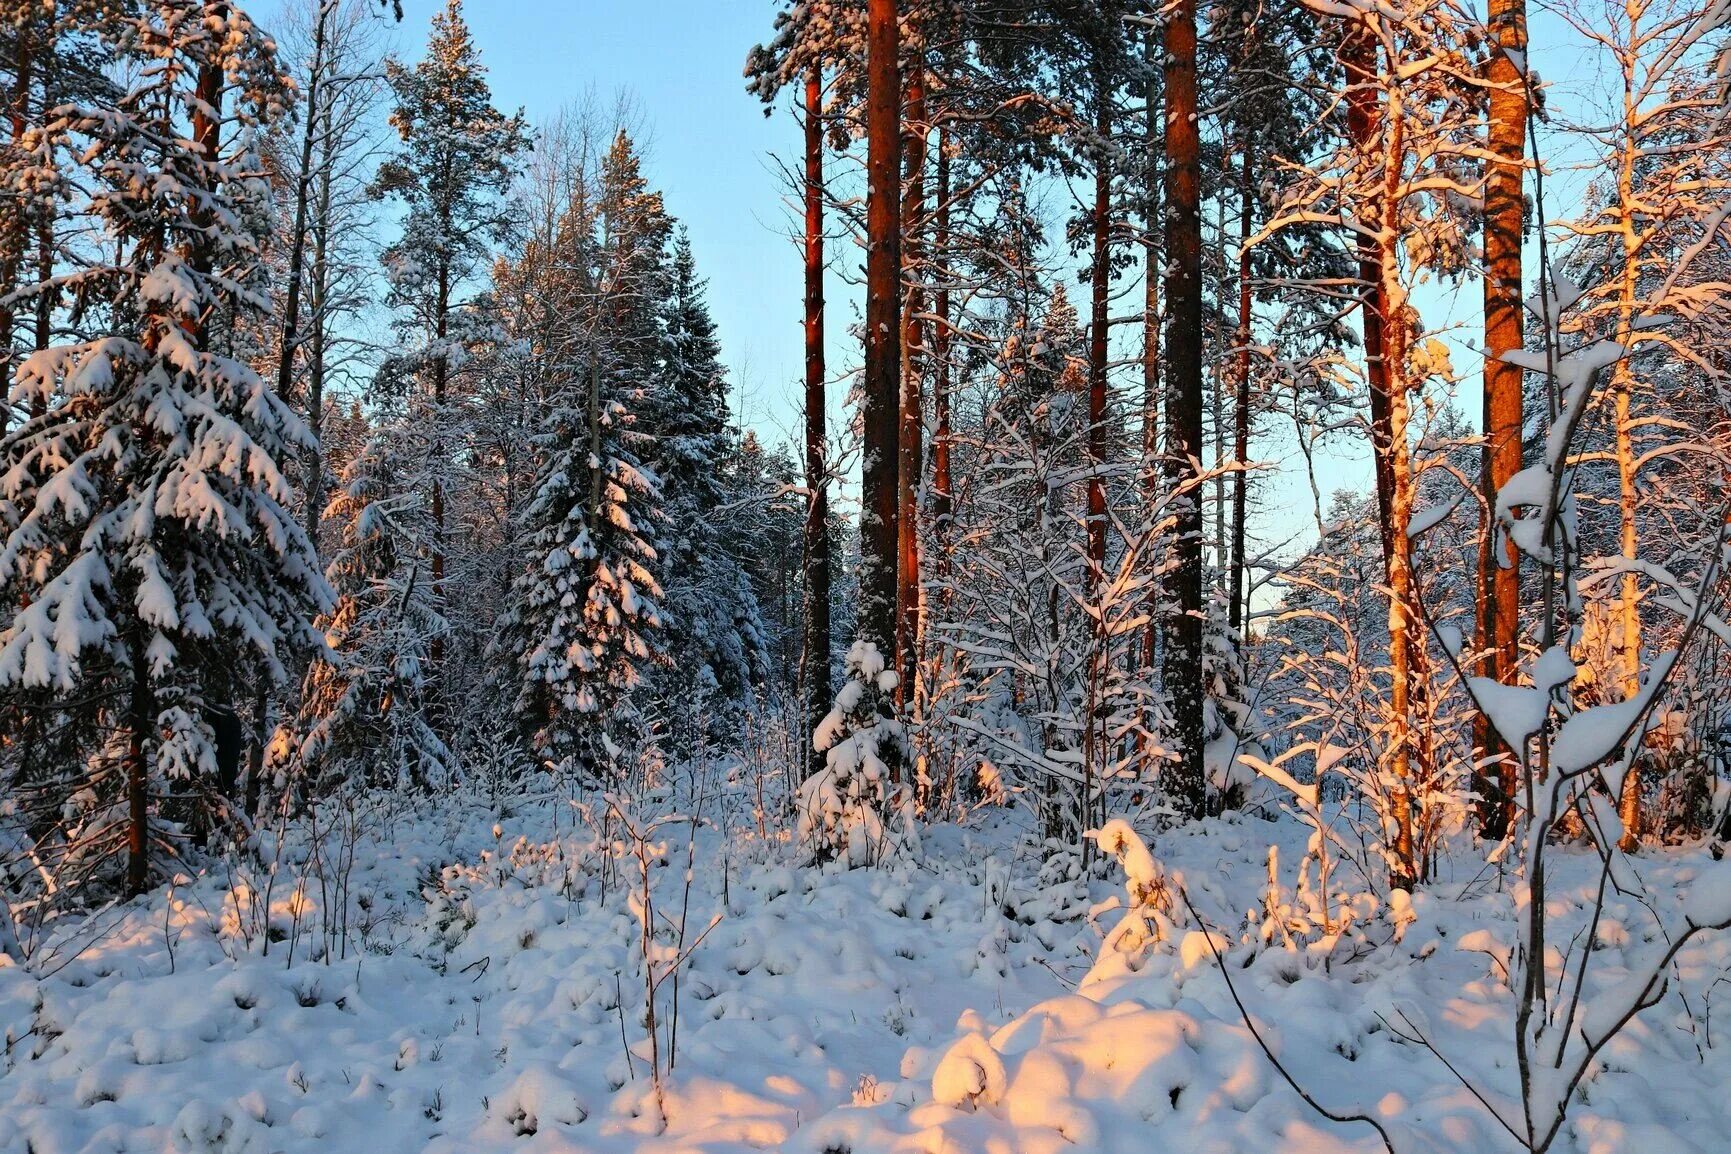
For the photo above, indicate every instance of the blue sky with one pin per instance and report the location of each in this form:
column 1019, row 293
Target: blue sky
column 710, row 148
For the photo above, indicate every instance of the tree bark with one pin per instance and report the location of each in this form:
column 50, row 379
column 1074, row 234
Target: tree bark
column 818, row 689
column 140, row 713
column 1099, row 322
column 289, row 341
column 1151, row 370
column 1183, row 646
column 911, row 449
column 315, row 459
column 1237, row 611
column 1623, row 386
column 1363, row 118
column 943, row 493
column 1499, row 568
column 1383, row 152
column 880, row 387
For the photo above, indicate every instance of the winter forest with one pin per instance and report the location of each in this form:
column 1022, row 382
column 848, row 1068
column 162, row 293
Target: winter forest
column 437, row 714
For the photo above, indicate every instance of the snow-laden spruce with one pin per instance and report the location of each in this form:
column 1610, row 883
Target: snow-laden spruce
column 853, row 810
column 148, row 535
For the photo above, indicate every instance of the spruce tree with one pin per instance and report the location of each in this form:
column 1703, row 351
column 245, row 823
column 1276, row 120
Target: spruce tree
column 365, row 713
column 584, row 616
column 149, row 536
column 715, row 630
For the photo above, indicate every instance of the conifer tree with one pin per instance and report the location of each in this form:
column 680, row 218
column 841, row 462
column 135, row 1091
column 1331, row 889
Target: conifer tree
column 582, row 629
column 149, row 534
column 714, row 630
column 365, row 713
column 450, row 175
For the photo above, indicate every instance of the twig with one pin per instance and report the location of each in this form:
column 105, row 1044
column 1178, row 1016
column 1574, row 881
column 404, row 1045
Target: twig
column 1244, row 1015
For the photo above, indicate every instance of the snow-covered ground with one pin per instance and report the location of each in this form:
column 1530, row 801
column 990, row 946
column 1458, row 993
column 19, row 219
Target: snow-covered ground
column 488, row 996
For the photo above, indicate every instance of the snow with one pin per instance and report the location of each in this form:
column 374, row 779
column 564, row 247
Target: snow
column 488, row 997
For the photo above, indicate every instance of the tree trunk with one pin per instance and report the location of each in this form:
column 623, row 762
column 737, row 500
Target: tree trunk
column 207, row 135
column 1363, row 117
column 911, row 454
column 1629, row 595
column 441, row 375
column 1150, row 373
column 1099, row 321
column 1499, row 571
column 139, row 720
column 943, row 496
column 1183, row 647
column 1389, row 435
column 289, row 341
column 314, row 465
column 880, row 387
column 15, row 238
column 1237, row 611
column 1630, row 149
column 818, row 690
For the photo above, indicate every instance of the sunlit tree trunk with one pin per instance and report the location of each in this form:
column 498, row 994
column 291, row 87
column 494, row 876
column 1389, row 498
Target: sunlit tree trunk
column 1183, row 220
column 1499, row 573
column 1097, row 329
column 1390, row 435
column 880, row 387
column 911, row 455
column 1375, row 128
column 816, row 660
column 1622, row 383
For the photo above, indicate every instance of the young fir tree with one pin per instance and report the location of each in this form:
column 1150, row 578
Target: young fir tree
column 455, row 165
column 148, row 532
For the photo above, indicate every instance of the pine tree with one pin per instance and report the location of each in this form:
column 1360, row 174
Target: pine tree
column 455, row 165
column 149, row 534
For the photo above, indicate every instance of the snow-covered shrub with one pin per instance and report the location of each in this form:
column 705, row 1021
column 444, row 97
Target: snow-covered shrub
column 1148, row 913
column 852, row 810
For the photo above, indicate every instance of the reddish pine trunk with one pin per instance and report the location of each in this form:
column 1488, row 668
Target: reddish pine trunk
column 1183, row 653
column 943, row 500
column 1499, row 572
column 817, row 673
column 911, row 457
column 880, row 387
column 1358, row 58
column 1101, row 274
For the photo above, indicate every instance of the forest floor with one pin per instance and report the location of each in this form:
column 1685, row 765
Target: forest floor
column 486, row 995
